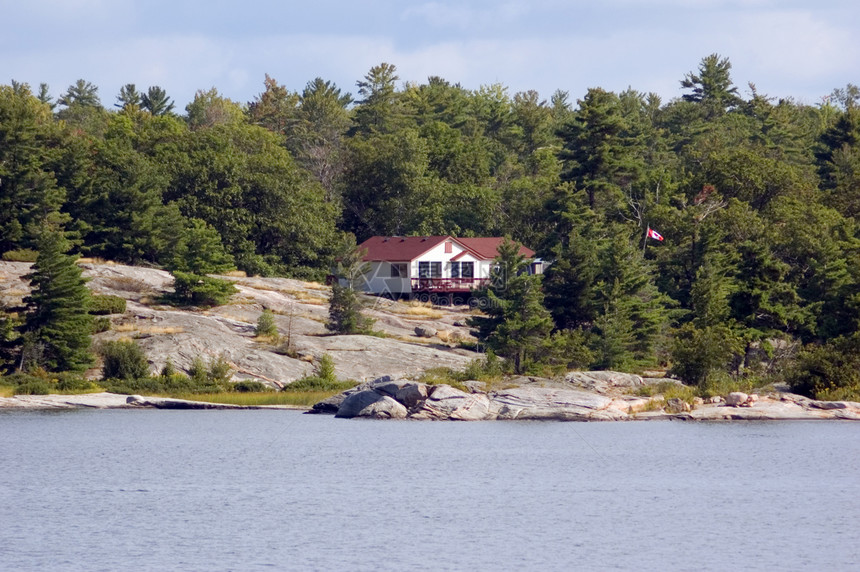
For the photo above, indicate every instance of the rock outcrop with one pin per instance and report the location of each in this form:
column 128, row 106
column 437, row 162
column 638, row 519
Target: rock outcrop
column 443, row 402
column 181, row 335
column 531, row 400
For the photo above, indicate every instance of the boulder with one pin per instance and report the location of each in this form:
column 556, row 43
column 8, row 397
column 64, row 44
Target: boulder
column 411, row 394
column 353, row 403
column 425, row 331
column 385, row 408
column 736, row 399
column 389, row 388
column 446, row 402
column 676, row 405
column 329, row 405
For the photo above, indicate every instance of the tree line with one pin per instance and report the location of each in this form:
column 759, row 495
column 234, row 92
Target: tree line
column 757, row 197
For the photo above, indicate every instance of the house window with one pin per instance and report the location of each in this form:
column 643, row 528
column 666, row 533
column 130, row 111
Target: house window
column 398, row 270
column 429, row 269
column 449, row 248
column 467, row 270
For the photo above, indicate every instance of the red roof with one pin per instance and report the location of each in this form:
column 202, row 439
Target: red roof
column 404, row 248
column 488, row 248
column 398, row 248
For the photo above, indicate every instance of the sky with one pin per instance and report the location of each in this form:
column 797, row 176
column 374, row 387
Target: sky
column 802, row 49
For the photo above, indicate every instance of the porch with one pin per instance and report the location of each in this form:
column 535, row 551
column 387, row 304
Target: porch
column 447, row 285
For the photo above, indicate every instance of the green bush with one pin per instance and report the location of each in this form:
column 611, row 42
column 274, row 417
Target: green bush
column 266, row 325
column 199, row 290
column 210, row 377
column 123, row 360
column 70, row 383
column 21, row 255
column 247, row 386
column 828, row 371
column 323, row 378
column 700, row 354
column 101, row 304
column 40, row 382
column 101, row 324
column 35, row 387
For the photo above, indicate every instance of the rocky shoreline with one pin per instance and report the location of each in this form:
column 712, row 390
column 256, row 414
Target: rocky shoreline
column 566, row 401
column 579, row 396
column 403, row 399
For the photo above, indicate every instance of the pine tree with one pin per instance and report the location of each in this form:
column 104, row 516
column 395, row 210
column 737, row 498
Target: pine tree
column 156, row 101
column 345, row 304
column 629, row 307
column 517, row 325
column 570, row 280
column 58, row 318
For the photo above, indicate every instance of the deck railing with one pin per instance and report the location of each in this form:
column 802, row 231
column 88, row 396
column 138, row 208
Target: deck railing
column 447, row 284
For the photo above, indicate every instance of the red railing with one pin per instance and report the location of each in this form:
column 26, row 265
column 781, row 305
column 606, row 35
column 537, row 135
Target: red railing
column 446, row 284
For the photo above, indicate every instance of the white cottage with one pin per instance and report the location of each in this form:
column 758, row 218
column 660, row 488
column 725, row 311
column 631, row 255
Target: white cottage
column 429, row 266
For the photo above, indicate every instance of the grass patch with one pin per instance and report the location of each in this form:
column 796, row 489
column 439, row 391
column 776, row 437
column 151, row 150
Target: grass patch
column 95, row 260
column 725, row 384
column 313, row 384
column 424, row 312
column 257, row 398
column 443, row 376
column 7, row 391
column 487, row 370
column 307, row 297
column 272, row 340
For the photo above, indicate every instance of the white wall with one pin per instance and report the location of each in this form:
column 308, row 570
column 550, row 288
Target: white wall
column 379, row 280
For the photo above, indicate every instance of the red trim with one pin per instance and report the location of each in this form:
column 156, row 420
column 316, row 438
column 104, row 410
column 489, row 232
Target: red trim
column 447, row 284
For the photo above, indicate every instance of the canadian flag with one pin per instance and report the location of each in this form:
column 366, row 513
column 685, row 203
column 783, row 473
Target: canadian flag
column 654, row 234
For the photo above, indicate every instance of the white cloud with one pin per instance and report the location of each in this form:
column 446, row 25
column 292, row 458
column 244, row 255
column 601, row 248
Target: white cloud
column 464, row 17
column 802, row 53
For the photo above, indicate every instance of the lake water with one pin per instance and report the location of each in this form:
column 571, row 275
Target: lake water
column 279, row 490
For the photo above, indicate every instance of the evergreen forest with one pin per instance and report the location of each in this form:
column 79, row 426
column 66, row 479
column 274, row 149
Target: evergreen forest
column 757, row 199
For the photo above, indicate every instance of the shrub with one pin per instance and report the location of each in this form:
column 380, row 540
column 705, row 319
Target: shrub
column 101, row 324
column 123, row 360
column 71, row 383
column 247, row 386
column 101, row 304
column 266, row 325
column 200, row 290
column 21, row 255
column 323, row 378
column 34, row 387
column 831, row 370
column 699, row 354
column 212, row 376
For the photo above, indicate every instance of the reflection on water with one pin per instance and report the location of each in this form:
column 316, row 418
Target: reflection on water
column 245, row 490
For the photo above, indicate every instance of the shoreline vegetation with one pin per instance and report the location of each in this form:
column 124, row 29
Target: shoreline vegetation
column 533, row 400
column 712, row 238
